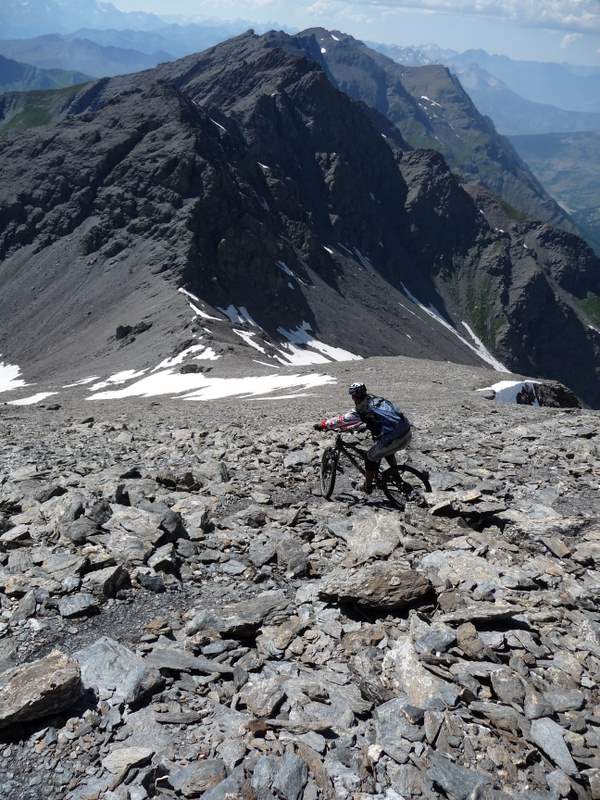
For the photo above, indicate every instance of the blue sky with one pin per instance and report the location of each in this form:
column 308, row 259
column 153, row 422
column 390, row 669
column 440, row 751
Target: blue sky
column 549, row 30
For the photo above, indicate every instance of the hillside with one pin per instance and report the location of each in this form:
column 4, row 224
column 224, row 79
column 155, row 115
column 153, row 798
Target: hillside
column 17, row 77
column 57, row 52
column 305, row 229
column 568, row 165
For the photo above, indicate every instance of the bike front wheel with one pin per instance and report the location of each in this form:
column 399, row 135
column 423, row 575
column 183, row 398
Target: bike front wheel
column 405, row 484
column 328, row 470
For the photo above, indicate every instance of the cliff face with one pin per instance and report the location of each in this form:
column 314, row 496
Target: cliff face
column 245, row 175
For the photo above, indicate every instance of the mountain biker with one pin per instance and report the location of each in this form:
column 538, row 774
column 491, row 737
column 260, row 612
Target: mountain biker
column 388, row 426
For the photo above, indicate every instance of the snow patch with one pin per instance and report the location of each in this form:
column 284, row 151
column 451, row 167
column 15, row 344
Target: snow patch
column 219, row 126
column 9, row 377
column 335, row 38
column 198, row 311
column 290, row 272
column 206, row 353
column 117, row 378
column 239, row 315
column 483, row 352
column 82, row 382
column 507, row 391
column 323, row 50
column 295, row 352
column 31, row 401
column 200, row 387
column 247, row 337
column 433, row 102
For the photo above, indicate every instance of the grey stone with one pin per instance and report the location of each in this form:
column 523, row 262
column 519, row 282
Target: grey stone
column 455, row 780
column 77, row 605
column 108, row 666
column 564, row 699
column 508, row 686
column 108, row 581
column 193, row 780
column 438, row 638
column 368, row 534
column 26, row 607
column 260, row 553
column 80, row 530
column 549, row 737
column 123, row 758
column 403, row 670
column 382, row 584
column 239, row 619
column 394, row 732
column 291, row 777
column 39, row 689
column 262, row 697
column 173, row 659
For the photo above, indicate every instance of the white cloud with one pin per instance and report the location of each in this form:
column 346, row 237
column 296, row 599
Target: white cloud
column 568, row 15
column 569, row 39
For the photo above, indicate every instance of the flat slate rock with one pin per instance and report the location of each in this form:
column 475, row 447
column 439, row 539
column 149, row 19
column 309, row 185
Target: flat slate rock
column 39, row 689
column 239, row 619
column 382, row 585
column 110, row 667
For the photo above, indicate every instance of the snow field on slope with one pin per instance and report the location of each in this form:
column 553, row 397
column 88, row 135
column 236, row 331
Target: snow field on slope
column 9, row 377
column 194, row 386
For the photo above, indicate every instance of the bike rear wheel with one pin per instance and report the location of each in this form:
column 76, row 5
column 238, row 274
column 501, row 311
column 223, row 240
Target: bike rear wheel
column 328, row 470
column 404, row 484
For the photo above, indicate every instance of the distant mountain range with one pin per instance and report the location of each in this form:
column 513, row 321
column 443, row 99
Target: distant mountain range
column 568, row 165
column 512, row 114
column 53, row 51
column 563, row 85
column 289, row 210
column 17, row 77
column 26, row 18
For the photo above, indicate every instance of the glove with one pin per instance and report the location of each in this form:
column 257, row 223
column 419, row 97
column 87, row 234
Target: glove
column 317, row 426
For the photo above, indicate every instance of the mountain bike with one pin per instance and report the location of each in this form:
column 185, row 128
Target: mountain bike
column 400, row 483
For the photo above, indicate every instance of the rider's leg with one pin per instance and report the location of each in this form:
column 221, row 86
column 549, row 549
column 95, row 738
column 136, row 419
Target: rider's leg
column 371, row 468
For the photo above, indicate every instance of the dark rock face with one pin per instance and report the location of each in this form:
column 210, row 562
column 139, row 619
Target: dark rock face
column 213, row 171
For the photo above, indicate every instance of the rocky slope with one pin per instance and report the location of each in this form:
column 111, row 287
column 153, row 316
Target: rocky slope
column 244, row 175
column 174, row 617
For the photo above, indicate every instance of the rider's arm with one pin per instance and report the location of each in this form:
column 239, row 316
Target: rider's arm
column 342, row 422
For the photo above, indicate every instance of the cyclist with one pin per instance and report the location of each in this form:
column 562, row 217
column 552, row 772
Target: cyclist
column 388, row 426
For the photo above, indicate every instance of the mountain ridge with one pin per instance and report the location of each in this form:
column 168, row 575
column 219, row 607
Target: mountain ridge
column 243, row 175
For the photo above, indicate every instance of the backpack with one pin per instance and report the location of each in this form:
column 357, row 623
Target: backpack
column 387, row 420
